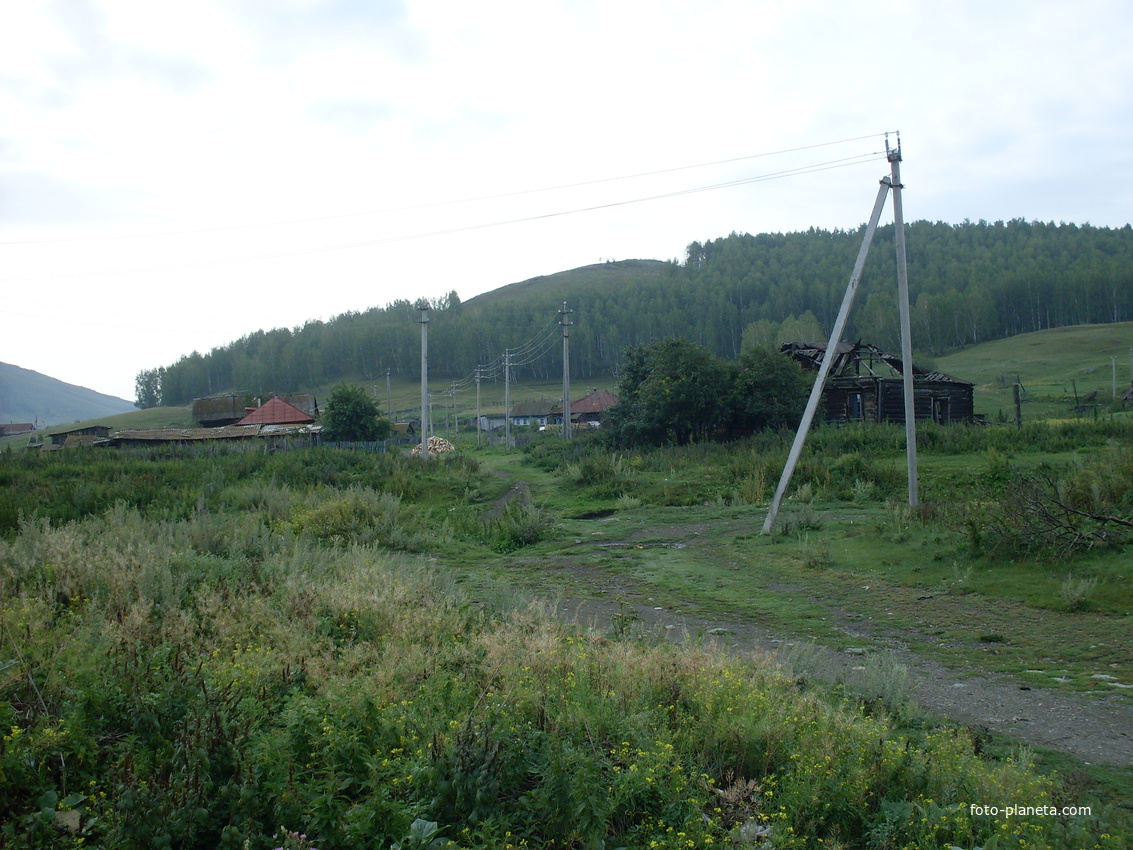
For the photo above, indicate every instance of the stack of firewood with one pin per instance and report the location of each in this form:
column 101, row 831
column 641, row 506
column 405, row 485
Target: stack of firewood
column 437, row 446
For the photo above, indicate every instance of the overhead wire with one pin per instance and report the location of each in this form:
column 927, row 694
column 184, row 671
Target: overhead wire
column 435, row 204
column 778, row 175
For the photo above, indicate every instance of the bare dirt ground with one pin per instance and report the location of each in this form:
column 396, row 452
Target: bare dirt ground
column 1095, row 730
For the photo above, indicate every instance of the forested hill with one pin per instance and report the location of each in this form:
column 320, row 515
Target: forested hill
column 968, row 283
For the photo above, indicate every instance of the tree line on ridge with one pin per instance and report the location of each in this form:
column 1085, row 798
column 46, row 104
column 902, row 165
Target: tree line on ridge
column 969, row 283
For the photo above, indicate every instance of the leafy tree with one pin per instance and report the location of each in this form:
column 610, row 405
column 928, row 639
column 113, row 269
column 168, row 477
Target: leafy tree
column 670, row 393
column 147, row 388
column 674, row 391
column 769, row 390
column 352, row 416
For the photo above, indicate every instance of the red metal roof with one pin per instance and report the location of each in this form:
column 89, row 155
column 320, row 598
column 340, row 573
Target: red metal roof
column 276, row 412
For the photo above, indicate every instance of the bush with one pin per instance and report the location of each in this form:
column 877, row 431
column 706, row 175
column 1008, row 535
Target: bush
column 352, row 416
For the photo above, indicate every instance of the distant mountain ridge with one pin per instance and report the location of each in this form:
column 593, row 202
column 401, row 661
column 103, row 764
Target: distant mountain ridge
column 28, row 396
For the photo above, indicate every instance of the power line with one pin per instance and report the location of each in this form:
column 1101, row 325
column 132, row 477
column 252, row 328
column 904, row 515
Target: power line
column 778, row 175
column 435, row 204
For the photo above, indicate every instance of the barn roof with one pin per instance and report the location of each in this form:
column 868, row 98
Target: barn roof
column 532, row 408
column 597, row 402
column 178, row 435
column 852, row 357
column 217, row 409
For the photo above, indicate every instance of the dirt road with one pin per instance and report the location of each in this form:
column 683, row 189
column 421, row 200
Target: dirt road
column 1099, row 730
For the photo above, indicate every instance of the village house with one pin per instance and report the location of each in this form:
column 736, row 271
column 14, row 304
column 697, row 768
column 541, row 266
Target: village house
column 73, row 437
column 216, row 412
column 537, row 413
column 491, row 421
column 277, row 412
column 588, row 410
column 865, row 384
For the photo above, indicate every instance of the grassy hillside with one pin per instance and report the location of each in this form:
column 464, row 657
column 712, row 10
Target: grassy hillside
column 1051, row 365
column 568, row 285
column 157, row 417
column 969, row 282
column 27, row 396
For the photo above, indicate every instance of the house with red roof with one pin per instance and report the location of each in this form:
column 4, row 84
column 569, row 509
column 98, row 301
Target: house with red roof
column 277, row 412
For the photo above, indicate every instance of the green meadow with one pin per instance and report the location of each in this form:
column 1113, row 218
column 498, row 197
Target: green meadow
column 201, row 648
column 225, row 647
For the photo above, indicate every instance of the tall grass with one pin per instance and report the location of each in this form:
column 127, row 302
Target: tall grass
column 250, row 647
column 172, row 693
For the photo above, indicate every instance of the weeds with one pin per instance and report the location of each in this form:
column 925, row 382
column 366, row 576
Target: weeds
column 241, row 652
column 628, row 503
column 1076, row 592
column 797, row 521
column 961, row 579
column 863, row 491
column 815, row 555
column 623, row 623
column 332, row 688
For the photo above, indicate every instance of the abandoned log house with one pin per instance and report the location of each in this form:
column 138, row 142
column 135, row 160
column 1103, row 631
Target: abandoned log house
column 864, row 384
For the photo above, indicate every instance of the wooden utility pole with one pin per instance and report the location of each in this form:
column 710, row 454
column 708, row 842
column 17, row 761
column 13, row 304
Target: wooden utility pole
column 423, row 306
column 894, row 157
column 564, row 322
column 389, row 399
column 828, row 358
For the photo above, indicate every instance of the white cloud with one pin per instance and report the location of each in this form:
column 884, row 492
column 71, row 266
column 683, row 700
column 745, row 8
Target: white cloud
column 217, row 120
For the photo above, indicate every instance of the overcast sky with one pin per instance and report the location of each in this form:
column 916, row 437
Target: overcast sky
column 175, row 175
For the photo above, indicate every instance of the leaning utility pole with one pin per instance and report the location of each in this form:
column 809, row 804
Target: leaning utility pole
column 828, row 359
column 423, row 306
column 564, row 322
column 893, row 181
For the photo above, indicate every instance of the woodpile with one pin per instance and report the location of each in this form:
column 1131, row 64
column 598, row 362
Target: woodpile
column 437, row 446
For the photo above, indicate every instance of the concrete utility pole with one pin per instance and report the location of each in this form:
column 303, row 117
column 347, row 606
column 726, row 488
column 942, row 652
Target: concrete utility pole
column 565, row 323
column 507, row 399
column 389, row 399
column 452, row 407
column 478, row 419
column 423, row 306
column 891, row 182
column 827, row 358
column 894, row 157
